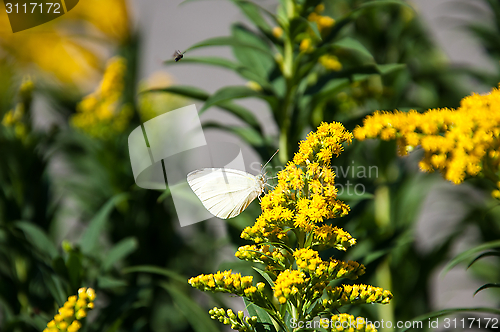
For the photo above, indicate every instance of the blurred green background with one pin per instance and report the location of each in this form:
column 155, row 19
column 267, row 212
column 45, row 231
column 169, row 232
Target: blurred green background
column 71, row 215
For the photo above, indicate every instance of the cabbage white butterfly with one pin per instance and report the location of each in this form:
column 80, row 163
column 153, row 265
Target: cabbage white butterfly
column 226, row 192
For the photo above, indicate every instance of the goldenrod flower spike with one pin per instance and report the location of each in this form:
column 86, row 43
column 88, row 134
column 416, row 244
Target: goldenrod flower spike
column 459, row 143
column 101, row 114
column 302, row 203
column 75, row 309
column 306, row 195
column 238, row 322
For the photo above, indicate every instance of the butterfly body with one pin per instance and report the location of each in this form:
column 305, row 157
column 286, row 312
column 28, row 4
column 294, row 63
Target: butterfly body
column 224, row 192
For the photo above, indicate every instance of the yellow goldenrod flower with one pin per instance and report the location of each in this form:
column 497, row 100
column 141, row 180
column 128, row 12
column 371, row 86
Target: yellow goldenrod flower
column 346, row 322
column 306, row 45
column 458, row 143
column 277, row 32
column 238, row 322
column 151, row 105
column 254, row 86
column 67, row 319
column 18, row 118
column 274, row 259
column 319, row 8
column 354, row 294
column 323, row 22
column 63, row 55
column 228, row 282
column 306, row 195
column 330, row 62
column 101, row 114
column 289, row 283
column 293, row 223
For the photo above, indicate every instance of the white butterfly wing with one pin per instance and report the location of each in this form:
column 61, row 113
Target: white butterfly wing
column 225, row 193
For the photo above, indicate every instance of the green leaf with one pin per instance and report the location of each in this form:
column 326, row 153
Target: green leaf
column 242, row 113
column 229, row 41
column 260, row 64
column 348, row 197
column 264, row 321
column 90, row 237
column 439, row 313
column 38, row 238
column 253, row 12
column 484, row 254
column 313, row 26
column 182, row 90
column 74, row 266
column 155, row 270
column 109, row 282
column 60, row 267
column 229, row 93
column 466, row 254
column 247, row 134
column 164, row 195
column 353, row 44
column 389, row 68
column 207, row 60
column 351, row 16
column 237, row 110
column 198, row 318
column 370, row 4
column 265, row 276
column 485, row 286
column 121, row 250
column 53, row 284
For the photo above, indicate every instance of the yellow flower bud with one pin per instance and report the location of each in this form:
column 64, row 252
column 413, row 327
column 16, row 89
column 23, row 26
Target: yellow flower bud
column 277, row 32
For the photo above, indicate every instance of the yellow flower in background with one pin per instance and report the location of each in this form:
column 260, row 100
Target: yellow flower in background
column 111, row 17
column 330, row 62
column 323, row 22
column 19, row 118
column 58, row 52
column 306, row 45
column 277, row 32
column 74, row 310
column 153, row 104
column 101, row 114
column 459, row 143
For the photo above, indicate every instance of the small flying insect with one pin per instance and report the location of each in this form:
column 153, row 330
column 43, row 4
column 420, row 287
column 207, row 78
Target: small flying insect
column 178, row 55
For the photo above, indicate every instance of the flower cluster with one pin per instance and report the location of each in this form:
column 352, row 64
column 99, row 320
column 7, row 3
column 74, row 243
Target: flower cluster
column 18, row 118
column 238, row 321
column 295, row 221
column 354, row 294
column 305, row 196
column 288, row 284
column 346, row 322
column 323, row 23
column 101, row 114
column 74, row 310
column 458, row 142
column 63, row 56
column 330, row 62
column 308, row 260
column 228, row 282
column 273, row 259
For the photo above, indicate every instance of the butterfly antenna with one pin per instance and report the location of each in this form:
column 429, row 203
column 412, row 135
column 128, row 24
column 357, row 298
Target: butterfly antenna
column 269, row 160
